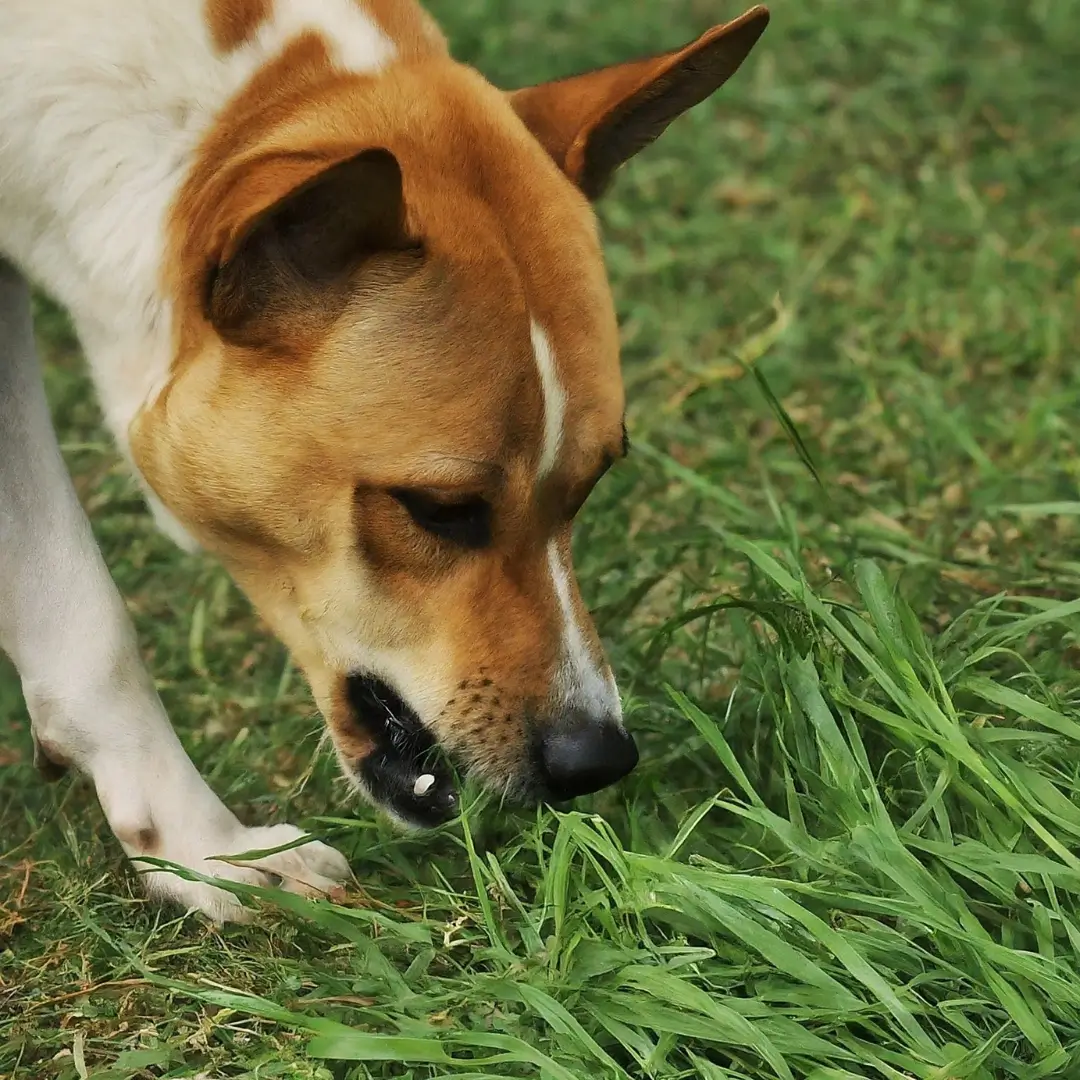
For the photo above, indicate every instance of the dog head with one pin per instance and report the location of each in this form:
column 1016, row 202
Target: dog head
column 397, row 381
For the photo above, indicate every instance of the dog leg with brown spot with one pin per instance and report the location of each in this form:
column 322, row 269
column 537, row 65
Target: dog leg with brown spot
column 92, row 704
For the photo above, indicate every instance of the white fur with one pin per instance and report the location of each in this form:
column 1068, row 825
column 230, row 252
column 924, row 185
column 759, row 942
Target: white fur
column 356, row 41
column 101, row 109
column 554, row 400
column 91, row 702
column 585, row 684
column 102, row 105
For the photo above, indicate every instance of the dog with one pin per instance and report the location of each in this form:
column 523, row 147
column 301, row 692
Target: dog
column 346, row 313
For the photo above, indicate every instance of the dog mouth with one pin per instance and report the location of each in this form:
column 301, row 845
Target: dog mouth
column 405, row 772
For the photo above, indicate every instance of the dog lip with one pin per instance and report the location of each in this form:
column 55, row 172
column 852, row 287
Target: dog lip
column 404, row 754
column 385, row 715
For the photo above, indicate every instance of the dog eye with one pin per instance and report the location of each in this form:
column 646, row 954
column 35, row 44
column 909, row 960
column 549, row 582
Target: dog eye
column 466, row 523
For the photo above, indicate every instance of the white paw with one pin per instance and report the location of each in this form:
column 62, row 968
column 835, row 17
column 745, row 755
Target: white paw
column 314, row 869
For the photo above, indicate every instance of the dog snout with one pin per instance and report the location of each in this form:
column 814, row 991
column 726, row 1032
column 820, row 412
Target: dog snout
column 582, row 754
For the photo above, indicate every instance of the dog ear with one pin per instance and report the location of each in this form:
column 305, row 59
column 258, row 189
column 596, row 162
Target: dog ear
column 288, row 265
column 590, row 124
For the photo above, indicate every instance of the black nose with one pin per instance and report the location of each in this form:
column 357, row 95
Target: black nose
column 581, row 755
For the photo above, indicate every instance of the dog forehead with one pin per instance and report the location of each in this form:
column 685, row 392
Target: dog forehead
column 468, row 369
column 503, row 331
column 489, row 201
column 507, row 317
column 527, row 248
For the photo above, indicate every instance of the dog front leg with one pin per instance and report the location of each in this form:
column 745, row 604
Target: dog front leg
column 91, row 702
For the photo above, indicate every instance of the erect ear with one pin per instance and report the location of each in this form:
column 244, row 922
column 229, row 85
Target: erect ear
column 288, row 264
column 590, row 124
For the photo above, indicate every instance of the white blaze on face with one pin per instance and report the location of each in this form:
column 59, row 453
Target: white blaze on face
column 584, row 682
column 554, row 400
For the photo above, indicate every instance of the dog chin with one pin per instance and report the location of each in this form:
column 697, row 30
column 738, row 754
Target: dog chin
column 405, row 774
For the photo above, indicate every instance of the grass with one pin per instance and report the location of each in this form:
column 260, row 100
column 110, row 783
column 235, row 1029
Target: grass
column 851, row 848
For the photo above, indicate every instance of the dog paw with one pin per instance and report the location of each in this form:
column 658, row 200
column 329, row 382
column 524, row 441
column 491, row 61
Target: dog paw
column 313, row 869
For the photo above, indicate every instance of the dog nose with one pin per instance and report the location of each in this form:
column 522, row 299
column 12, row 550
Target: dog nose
column 582, row 754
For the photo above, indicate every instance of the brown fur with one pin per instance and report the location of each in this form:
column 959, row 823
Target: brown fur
column 415, row 34
column 412, row 30
column 145, row 841
column 282, row 434
column 232, row 22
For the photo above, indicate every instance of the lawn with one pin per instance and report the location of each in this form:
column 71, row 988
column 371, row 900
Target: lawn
column 838, row 578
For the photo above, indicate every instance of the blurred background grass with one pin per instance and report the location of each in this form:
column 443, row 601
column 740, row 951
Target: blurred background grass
column 849, row 850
